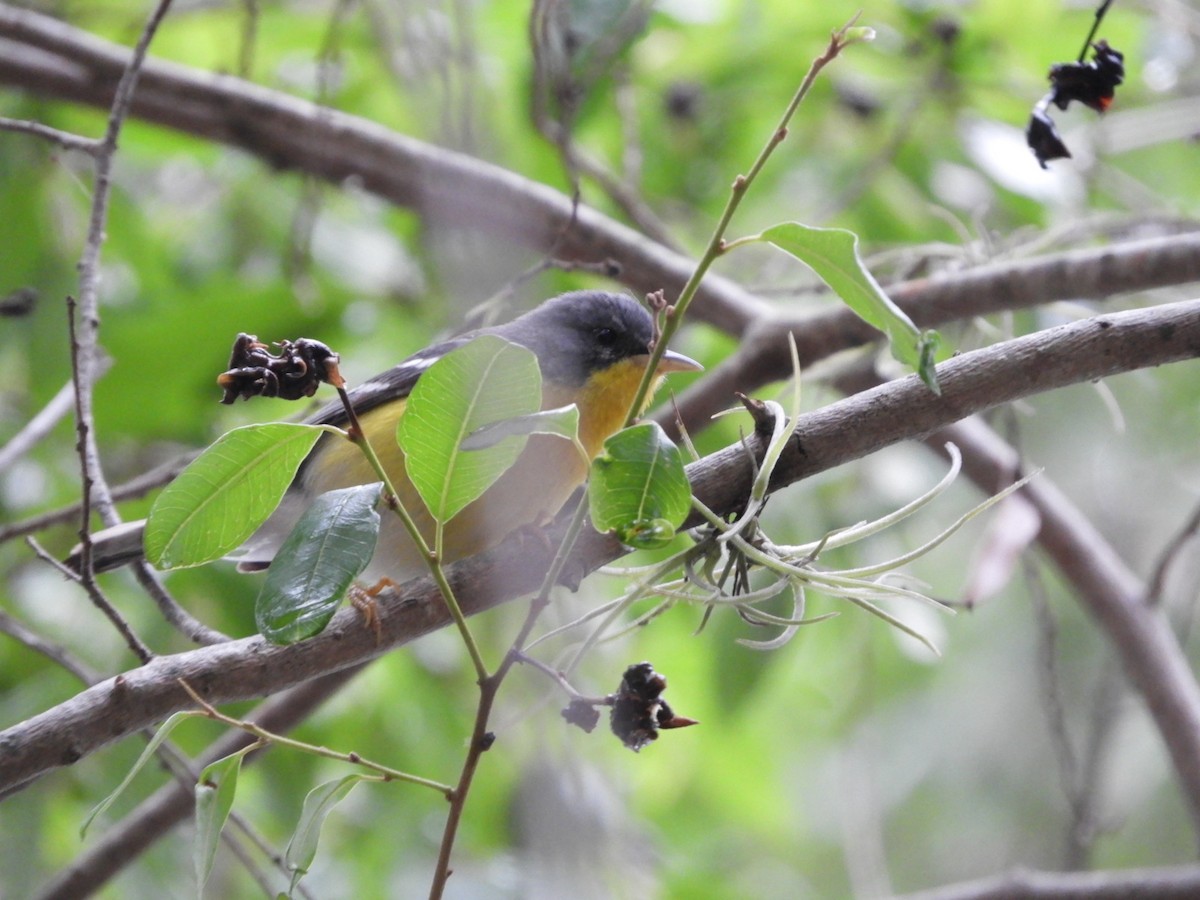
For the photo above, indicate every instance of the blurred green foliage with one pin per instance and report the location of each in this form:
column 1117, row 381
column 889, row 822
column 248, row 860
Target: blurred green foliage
column 847, row 762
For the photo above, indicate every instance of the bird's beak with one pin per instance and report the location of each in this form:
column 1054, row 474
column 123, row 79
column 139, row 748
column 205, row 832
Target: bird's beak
column 677, row 362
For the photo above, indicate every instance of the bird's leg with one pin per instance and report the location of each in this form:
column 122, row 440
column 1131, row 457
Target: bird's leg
column 363, row 599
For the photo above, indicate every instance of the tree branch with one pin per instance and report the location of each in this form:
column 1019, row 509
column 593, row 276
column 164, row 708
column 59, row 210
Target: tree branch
column 1170, row 883
column 1090, row 274
column 844, row 431
column 64, row 139
column 155, row 816
column 1150, row 654
column 51, row 58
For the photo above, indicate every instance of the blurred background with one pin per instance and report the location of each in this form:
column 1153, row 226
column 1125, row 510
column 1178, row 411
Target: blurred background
column 851, row 762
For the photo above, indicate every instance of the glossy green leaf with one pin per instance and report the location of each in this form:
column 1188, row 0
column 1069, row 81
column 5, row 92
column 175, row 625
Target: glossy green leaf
column 215, row 790
column 484, row 382
column 302, row 848
column 638, row 488
column 330, row 545
column 222, row 497
column 833, row 254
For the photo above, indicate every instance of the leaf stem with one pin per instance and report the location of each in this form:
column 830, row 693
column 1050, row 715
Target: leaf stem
column 270, row 737
column 481, row 738
column 717, row 246
column 356, row 434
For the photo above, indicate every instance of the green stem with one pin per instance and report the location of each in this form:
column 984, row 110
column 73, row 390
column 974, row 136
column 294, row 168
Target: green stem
column 432, row 559
column 270, row 737
column 716, row 244
column 489, row 685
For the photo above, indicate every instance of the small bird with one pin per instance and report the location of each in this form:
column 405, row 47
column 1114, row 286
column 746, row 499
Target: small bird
column 592, row 348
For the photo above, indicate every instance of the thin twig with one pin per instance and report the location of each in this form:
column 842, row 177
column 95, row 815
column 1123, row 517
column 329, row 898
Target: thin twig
column 85, row 327
column 1098, row 17
column 172, row 758
column 1166, row 883
column 248, row 38
column 64, row 139
column 356, row 434
column 129, row 490
column 84, row 341
column 489, row 687
column 557, row 677
column 481, row 738
column 1170, row 553
column 171, row 804
column 38, row 427
column 847, row 430
column 716, row 243
column 177, row 617
column 52, row 651
column 99, row 600
column 385, row 773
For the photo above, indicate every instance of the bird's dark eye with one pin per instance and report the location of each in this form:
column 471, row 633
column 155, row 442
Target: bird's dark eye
column 605, row 336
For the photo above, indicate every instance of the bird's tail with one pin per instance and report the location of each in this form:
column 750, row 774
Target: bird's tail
column 112, row 548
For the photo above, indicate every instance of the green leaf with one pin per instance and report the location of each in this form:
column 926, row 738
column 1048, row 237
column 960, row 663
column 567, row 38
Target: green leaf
column 858, row 34
column 159, row 736
column 222, row 497
column 833, row 254
column 562, row 422
column 302, row 848
column 215, row 790
column 638, row 488
column 330, row 545
column 486, row 381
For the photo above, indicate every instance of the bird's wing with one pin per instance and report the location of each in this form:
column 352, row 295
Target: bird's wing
column 396, row 383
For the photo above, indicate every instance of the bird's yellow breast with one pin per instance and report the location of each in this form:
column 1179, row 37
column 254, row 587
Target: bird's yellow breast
column 544, row 476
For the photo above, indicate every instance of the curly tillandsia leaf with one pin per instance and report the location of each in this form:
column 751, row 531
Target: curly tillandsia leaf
column 781, row 433
column 899, row 625
column 895, row 563
column 749, row 614
column 609, row 612
column 854, row 533
column 783, row 428
column 790, row 626
column 863, row 586
column 756, row 616
column 708, row 565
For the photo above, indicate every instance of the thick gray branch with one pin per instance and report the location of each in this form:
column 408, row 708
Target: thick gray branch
column 843, row 431
column 1105, row 586
column 1170, row 883
column 1090, row 274
column 52, row 59
column 155, row 816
